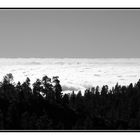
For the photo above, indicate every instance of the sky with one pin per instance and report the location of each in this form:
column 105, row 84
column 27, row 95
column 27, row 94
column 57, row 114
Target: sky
column 69, row 33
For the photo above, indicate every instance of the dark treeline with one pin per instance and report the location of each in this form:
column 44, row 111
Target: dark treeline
column 44, row 107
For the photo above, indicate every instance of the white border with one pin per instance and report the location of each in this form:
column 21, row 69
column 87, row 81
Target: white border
column 70, row 136
column 69, row 3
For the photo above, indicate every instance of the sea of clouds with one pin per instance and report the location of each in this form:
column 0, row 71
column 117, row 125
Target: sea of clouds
column 74, row 74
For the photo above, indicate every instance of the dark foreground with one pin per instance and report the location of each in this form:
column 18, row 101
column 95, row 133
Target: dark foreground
column 44, row 107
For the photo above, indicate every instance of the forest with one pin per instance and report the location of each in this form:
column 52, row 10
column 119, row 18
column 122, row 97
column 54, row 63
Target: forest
column 44, row 106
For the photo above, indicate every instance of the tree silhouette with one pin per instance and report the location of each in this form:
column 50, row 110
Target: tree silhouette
column 43, row 105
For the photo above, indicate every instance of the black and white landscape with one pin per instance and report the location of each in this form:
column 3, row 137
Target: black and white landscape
column 69, row 69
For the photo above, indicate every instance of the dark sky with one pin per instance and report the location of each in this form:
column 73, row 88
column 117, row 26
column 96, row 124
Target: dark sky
column 70, row 33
